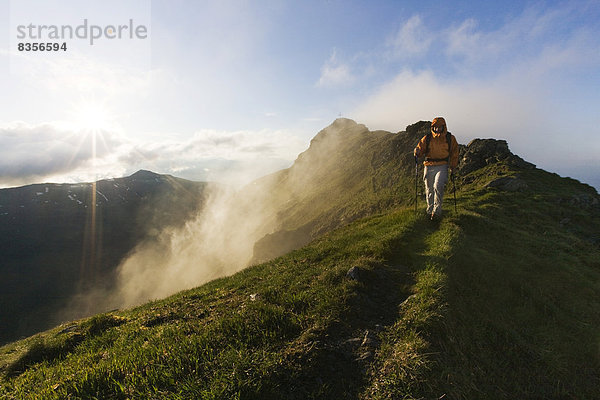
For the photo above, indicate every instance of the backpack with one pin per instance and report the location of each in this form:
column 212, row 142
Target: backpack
column 428, row 139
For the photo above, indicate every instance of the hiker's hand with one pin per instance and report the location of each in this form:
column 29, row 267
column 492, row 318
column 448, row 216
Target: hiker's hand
column 416, row 152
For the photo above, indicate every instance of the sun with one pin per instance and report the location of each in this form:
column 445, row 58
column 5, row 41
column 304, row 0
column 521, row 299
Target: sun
column 93, row 117
column 93, row 122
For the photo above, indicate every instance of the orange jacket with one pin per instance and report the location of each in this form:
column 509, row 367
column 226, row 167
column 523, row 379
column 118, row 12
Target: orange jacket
column 438, row 146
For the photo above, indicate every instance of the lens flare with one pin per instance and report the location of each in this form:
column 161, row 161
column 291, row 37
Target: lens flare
column 92, row 121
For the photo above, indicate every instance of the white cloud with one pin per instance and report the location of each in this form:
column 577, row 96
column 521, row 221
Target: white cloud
column 413, row 38
column 519, row 41
column 463, row 40
column 502, row 108
column 231, row 145
column 57, row 152
column 472, row 108
column 232, row 156
column 522, row 82
column 335, row 73
column 31, row 152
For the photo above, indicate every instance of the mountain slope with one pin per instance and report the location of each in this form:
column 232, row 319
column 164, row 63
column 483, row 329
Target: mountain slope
column 500, row 300
column 48, row 251
column 348, row 172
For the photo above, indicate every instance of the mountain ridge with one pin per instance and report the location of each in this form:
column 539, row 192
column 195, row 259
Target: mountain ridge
column 384, row 155
column 498, row 300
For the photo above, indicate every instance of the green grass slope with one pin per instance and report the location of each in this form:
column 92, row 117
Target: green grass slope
column 500, row 300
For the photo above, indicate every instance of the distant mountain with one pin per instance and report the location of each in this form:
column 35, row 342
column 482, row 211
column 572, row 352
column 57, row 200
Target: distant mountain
column 56, row 239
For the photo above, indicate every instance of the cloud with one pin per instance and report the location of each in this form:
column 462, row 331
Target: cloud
column 464, row 41
column 31, row 152
column 335, row 73
column 412, row 39
column 476, row 108
column 503, row 108
column 243, row 144
column 535, row 34
column 515, row 66
column 216, row 155
column 58, row 152
column 521, row 82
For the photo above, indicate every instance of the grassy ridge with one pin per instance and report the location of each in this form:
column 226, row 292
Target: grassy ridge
column 523, row 297
column 501, row 300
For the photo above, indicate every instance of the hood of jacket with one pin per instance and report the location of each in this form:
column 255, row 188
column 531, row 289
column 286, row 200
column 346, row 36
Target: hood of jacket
column 439, row 122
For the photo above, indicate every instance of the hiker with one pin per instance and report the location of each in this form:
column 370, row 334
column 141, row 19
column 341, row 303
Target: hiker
column 440, row 149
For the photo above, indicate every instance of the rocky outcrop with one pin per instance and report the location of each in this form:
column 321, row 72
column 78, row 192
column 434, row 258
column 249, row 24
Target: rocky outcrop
column 482, row 152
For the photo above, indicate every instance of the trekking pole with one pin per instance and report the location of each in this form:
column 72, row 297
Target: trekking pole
column 454, row 185
column 416, row 181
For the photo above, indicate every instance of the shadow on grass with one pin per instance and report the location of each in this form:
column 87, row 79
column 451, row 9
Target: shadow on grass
column 60, row 345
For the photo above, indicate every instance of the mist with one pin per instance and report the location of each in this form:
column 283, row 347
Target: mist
column 217, row 242
column 220, row 239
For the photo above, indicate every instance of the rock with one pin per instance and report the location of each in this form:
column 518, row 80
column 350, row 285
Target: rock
column 508, row 183
column 353, row 273
column 418, row 129
column 482, row 152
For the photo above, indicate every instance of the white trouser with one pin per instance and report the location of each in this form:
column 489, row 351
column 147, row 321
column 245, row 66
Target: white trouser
column 435, row 178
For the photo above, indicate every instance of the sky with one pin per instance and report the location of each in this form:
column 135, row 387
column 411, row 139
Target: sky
column 205, row 89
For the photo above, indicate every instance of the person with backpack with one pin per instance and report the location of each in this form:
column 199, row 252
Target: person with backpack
column 440, row 149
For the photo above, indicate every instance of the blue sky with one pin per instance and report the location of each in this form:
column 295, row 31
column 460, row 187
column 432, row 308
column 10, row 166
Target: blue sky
column 223, row 86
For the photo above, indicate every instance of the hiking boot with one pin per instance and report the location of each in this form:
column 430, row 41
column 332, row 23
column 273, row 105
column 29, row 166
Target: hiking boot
column 435, row 217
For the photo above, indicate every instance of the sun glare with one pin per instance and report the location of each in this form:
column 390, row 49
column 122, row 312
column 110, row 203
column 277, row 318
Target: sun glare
column 93, row 117
column 92, row 121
